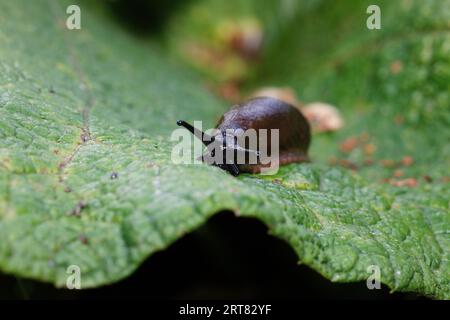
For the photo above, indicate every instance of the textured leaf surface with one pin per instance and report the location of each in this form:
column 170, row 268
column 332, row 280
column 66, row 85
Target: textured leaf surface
column 86, row 177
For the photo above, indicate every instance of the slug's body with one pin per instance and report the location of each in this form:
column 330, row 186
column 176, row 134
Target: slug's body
column 262, row 113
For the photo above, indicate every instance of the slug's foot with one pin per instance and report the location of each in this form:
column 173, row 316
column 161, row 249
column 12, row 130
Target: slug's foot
column 231, row 168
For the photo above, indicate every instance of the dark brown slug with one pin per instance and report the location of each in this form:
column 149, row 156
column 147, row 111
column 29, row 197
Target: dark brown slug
column 259, row 113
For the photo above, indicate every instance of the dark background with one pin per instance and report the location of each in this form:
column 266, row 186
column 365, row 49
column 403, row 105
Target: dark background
column 227, row 258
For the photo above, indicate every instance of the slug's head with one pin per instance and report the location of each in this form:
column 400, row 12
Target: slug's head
column 222, row 149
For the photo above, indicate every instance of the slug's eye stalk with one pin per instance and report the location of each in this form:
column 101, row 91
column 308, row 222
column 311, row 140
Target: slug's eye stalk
column 205, row 138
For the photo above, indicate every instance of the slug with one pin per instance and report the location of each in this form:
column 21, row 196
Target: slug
column 258, row 113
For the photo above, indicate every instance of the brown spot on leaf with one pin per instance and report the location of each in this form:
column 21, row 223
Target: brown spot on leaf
column 364, row 137
column 78, row 208
column 333, row 161
column 399, row 119
column 409, row 182
column 348, row 164
column 387, row 163
column 151, row 165
column 396, row 67
column 369, row 149
column 83, row 239
column 349, row 144
column 84, row 137
column 398, row 173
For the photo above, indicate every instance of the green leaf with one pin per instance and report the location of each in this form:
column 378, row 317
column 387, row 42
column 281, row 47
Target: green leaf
column 86, row 176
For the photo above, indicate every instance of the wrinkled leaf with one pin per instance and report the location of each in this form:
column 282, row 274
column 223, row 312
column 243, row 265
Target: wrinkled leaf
column 86, row 176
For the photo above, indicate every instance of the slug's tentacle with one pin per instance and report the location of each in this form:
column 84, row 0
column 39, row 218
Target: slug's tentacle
column 205, row 138
column 230, row 168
